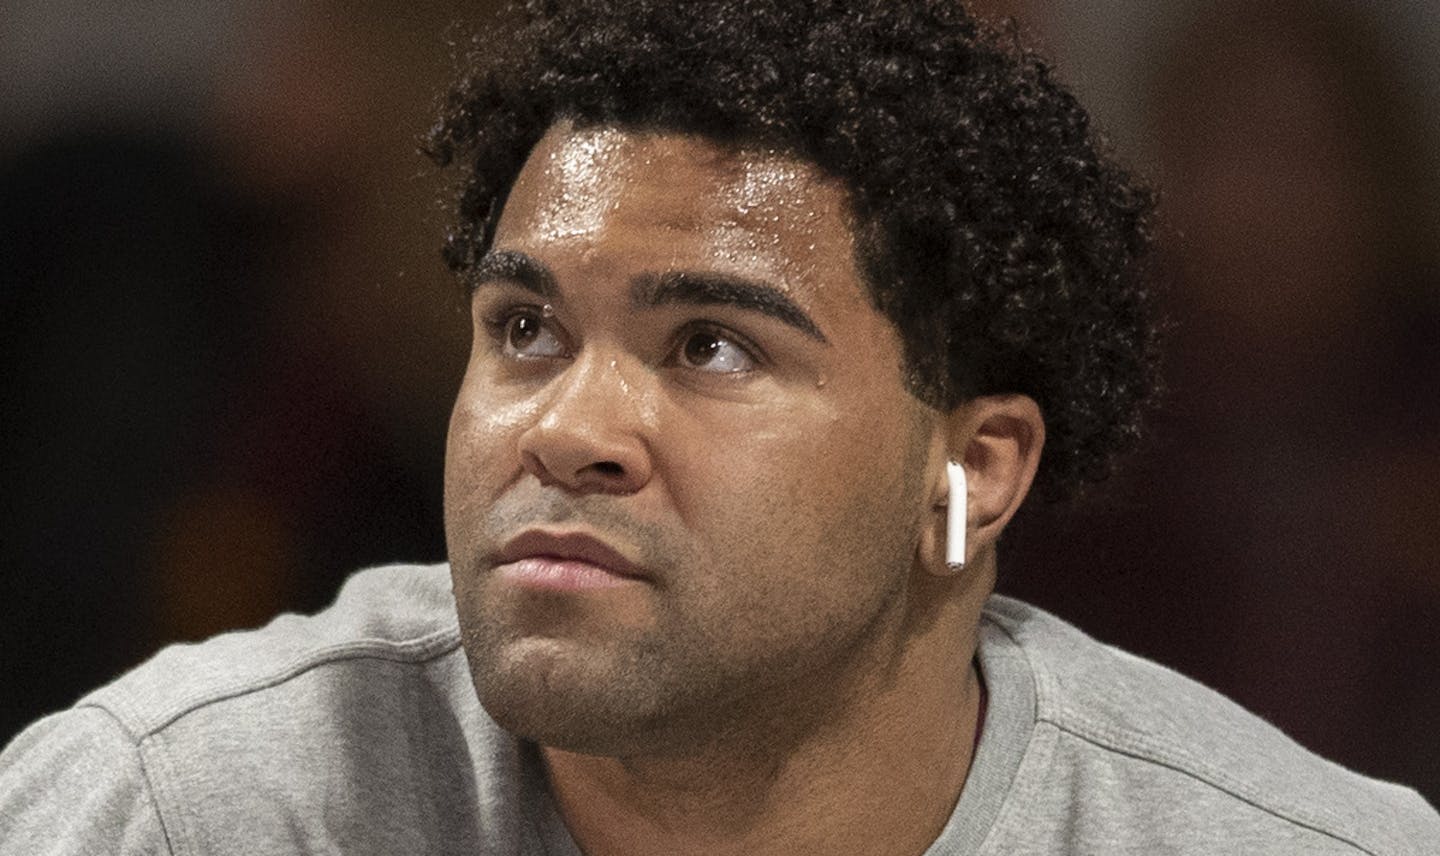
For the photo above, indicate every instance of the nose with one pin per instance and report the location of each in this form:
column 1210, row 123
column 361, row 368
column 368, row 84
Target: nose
column 590, row 437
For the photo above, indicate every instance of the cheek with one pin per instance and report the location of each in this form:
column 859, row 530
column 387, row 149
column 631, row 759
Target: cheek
column 481, row 449
column 784, row 486
column 808, row 530
column 723, row 462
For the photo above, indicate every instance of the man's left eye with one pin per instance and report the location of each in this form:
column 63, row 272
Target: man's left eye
column 712, row 351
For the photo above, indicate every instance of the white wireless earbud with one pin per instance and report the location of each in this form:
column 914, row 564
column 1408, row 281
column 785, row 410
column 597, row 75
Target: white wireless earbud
column 955, row 516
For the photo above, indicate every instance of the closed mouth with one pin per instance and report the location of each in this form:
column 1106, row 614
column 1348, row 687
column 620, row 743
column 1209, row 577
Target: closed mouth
column 568, row 546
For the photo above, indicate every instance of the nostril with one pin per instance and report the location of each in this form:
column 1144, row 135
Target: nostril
column 609, row 468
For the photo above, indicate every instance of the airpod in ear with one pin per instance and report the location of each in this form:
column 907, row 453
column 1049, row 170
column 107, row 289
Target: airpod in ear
column 955, row 516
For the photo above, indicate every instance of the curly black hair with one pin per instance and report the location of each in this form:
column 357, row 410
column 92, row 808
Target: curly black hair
column 994, row 231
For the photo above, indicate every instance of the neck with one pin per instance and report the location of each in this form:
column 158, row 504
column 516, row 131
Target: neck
column 879, row 773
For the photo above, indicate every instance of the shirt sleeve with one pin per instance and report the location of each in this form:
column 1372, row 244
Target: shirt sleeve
column 73, row 783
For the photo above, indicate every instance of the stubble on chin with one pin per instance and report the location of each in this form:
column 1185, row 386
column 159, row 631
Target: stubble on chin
column 582, row 696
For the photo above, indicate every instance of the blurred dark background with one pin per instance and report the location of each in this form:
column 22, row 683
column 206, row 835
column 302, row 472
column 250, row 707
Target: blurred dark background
column 229, row 345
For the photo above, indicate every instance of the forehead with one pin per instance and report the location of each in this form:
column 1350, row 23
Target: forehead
column 679, row 195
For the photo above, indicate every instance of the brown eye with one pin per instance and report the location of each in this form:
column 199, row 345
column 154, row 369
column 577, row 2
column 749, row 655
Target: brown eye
column 713, row 351
column 527, row 334
column 521, row 330
column 701, row 348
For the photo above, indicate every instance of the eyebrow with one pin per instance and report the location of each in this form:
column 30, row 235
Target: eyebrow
column 514, row 267
column 668, row 289
column 712, row 289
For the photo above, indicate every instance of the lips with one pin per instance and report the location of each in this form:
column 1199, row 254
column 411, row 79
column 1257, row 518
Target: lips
column 538, row 546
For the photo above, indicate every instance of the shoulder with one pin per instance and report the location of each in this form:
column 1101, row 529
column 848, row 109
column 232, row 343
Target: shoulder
column 73, row 783
column 1138, row 744
column 355, row 728
column 400, row 614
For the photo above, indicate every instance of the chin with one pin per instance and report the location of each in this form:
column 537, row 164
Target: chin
column 563, row 698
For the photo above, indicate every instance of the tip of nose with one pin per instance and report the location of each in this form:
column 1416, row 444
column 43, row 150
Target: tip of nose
column 595, row 477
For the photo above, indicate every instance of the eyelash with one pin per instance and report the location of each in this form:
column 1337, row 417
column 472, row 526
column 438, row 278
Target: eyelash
column 497, row 325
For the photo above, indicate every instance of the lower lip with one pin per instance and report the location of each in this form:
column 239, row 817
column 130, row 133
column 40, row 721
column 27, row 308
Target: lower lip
column 549, row 574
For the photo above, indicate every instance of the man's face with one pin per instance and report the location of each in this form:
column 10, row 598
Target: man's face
column 684, row 477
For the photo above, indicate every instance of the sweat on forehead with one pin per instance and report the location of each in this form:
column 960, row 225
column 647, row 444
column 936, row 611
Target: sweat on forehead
column 729, row 204
column 591, row 161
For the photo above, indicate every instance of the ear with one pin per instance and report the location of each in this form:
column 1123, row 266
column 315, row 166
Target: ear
column 997, row 439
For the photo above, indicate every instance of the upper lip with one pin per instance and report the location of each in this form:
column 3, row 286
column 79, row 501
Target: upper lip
column 575, row 546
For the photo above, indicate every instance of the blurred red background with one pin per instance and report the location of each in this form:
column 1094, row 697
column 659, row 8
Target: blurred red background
column 230, row 346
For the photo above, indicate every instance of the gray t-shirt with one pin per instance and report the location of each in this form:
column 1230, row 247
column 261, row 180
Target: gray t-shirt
column 357, row 731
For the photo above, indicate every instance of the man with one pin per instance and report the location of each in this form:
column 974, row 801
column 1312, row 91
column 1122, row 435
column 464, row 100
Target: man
column 746, row 278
